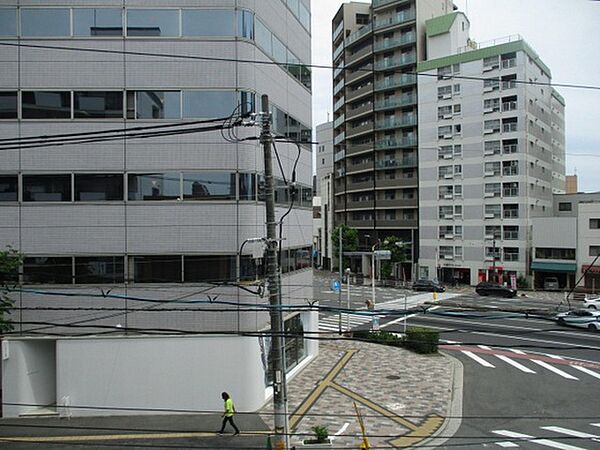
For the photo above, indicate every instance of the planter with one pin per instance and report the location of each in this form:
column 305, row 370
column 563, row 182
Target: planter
column 318, row 446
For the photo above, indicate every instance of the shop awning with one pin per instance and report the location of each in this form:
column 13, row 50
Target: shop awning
column 553, row 266
column 593, row 269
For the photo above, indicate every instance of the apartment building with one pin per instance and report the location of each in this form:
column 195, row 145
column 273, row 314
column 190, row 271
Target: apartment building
column 323, row 201
column 491, row 141
column 150, row 228
column 375, row 51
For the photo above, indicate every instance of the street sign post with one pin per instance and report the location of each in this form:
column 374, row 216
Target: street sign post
column 383, row 254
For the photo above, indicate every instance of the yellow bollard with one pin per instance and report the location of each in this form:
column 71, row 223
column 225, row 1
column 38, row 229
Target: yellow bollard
column 435, row 296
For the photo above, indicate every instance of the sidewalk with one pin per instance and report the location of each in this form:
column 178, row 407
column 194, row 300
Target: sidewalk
column 403, row 397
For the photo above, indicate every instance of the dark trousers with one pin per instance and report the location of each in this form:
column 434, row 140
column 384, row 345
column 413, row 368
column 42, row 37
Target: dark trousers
column 230, row 420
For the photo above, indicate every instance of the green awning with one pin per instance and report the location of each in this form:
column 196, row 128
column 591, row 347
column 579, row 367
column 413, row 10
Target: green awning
column 553, row 266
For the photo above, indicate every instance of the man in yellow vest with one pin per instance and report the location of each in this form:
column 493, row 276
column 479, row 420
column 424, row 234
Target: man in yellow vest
column 228, row 413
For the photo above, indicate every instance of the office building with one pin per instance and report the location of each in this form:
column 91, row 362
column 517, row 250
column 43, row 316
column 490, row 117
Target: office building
column 151, row 228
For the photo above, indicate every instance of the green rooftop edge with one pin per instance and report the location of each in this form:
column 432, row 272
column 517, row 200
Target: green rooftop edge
column 440, row 25
column 486, row 52
column 558, row 97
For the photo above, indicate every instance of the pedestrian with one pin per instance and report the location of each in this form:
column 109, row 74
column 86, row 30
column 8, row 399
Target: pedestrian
column 228, row 413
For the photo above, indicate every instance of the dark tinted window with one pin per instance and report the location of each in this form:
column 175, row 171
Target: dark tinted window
column 47, row 188
column 99, row 269
column 206, row 22
column 98, row 105
column 247, row 186
column 98, row 187
column 8, row 104
column 45, row 22
column 9, row 185
column 209, row 268
column 246, row 24
column 153, row 22
column 154, row 186
column 565, row 206
column 251, row 269
column 8, row 22
column 46, row 105
column 47, row 270
column 156, row 269
column 158, row 105
column 97, row 22
column 206, row 104
column 209, row 186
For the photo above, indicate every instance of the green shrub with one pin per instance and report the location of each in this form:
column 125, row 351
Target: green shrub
column 379, row 337
column 422, row 340
column 321, row 435
column 522, row 282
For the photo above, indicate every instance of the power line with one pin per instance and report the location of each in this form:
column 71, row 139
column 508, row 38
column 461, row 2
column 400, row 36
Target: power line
column 273, row 63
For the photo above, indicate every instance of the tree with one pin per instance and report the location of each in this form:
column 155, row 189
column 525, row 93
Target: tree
column 10, row 261
column 349, row 241
column 398, row 249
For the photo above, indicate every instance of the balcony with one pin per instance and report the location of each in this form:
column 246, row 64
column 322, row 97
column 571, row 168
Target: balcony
column 360, row 129
column 360, row 223
column 368, row 108
column 338, row 51
column 397, row 203
column 396, row 122
column 338, row 87
column 396, row 82
column 367, row 204
column 339, row 104
column 365, row 166
column 338, row 31
column 340, row 120
column 386, row 183
column 337, row 71
column 387, row 44
column 339, row 156
column 360, row 33
column 400, row 142
column 339, row 138
column 386, row 164
column 363, row 52
column 392, row 63
column 398, row 223
column 363, row 72
column 365, row 90
column 396, row 102
column 396, row 19
column 359, row 148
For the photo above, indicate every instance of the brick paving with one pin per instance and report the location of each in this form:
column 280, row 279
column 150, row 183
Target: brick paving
column 412, row 387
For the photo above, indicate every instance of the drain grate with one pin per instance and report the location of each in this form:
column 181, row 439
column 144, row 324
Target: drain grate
column 393, row 377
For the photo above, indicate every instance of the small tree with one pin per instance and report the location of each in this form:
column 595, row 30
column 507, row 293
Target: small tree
column 398, row 249
column 10, row 260
column 349, row 241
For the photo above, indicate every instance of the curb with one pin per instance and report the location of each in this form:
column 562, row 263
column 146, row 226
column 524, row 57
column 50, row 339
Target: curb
column 455, row 407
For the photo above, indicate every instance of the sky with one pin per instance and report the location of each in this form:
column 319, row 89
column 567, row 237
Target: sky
column 566, row 35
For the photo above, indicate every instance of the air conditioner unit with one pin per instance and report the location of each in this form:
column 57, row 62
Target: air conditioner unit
column 448, row 196
column 448, row 236
column 448, row 176
column 488, row 110
column 488, row 131
column 448, row 257
column 489, row 258
column 488, row 174
column 488, row 88
column 489, row 216
column 448, row 216
column 489, row 237
column 488, row 152
column 447, row 156
column 488, row 194
column 447, row 116
column 446, row 96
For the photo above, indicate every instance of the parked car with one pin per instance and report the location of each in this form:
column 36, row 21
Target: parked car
column 582, row 318
column 551, row 284
column 428, row 286
column 592, row 303
column 486, row 288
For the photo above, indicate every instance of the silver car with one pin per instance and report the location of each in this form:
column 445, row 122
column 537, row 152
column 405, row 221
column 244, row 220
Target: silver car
column 582, row 318
column 592, row 303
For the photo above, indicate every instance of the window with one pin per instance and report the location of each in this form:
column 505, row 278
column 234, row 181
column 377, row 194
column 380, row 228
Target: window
column 279, row 51
column 493, row 211
column 99, row 270
column 458, row 252
column 245, row 24
column 8, row 105
column 456, row 109
column 491, row 105
column 47, row 270
column 9, row 188
column 491, row 148
column 153, row 186
column 155, row 269
column 456, row 89
column 457, row 170
column 205, row 22
column 97, row 22
column 510, row 168
column 444, row 72
column 153, row 22
column 445, row 132
column 510, row 189
column 282, row 194
column 458, row 129
column 491, row 126
column 492, row 253
column 555, row 253
column 458, row 231
column 247, row 186
column 98, row 105
column 492, row 190
column 594, row 224
column 510, row 146
column 46, row 105
column 306, row 196
column 491, row 84
column 157, row 104
column 493, row 232
column 458, row 211
column 209, row 268
column 47, row 188
column 511, row 232
column 511, row 254
column 445, row 112
column 510, row 211
column 208, row 104
column 491, row 62
column 491, row 169
column 263, row 37
column 445, row 152
column 445, row 172
column 8, row 22
column 446, row 231
column 209, row 186
column 444, row 92
column 45, row 22
column 98, row 187
column 509, row 125
column 594, row 250
column 458, row 190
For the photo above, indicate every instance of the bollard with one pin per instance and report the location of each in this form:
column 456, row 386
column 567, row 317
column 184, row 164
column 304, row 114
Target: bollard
column 435, row 296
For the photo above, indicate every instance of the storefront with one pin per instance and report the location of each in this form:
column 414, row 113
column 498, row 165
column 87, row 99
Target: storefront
column 497, row 274
column 591, row 279
column 563, row 272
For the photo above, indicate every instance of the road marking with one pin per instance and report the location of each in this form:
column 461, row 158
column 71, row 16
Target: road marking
column 595, row 424
column 476, row 358
column 518, row 352
column 485, row 347
column 554, row 356
column 507, row 444
column 554, row 369
column 521, row 338
column 545, row 442
column 120, row 437
column 588, row 371
column 395, row 321
column 341, row 430
column 513, row 363
column 574, row 433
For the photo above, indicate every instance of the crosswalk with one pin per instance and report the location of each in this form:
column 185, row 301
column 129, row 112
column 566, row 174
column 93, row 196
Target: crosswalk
column 554, row 437
column 529, row 363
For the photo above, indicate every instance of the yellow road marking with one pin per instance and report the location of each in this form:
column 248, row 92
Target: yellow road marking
column 318, row 391
column 423, row 432
column 120, row 437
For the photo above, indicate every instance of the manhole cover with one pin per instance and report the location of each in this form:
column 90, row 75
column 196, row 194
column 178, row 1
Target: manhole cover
column 393, row 377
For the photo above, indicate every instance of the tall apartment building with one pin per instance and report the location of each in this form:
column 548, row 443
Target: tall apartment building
column 155, row 225
column 323, row 214
column 376, row 48
column 491, row 154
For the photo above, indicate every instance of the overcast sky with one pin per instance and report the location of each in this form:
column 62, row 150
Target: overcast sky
column 566, row 35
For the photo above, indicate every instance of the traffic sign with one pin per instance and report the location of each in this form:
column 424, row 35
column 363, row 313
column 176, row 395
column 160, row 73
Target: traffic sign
column 336, row 286
column 383, row 254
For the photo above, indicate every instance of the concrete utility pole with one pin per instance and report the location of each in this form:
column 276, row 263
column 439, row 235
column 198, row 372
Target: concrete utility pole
column 341, row 284
column 277, row 348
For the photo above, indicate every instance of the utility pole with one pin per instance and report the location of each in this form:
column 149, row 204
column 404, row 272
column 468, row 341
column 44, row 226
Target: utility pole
column 341, row 284
column 277, row 348
column 494, row 259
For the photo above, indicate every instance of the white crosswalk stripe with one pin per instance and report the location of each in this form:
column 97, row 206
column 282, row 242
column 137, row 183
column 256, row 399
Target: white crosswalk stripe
column 534, row 440
column 332, row 322
column 479, row 360
column 507, row 444
column 554, row 369
column 575, row 433
column 586, row 370
column 515, row 364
